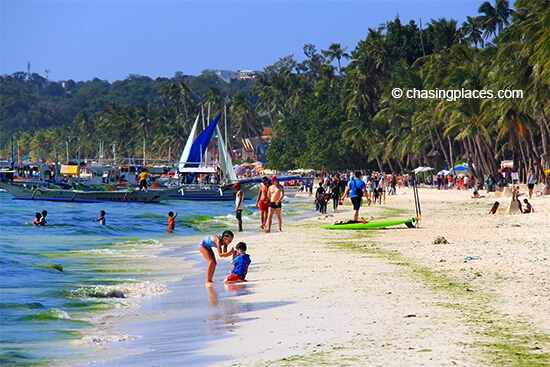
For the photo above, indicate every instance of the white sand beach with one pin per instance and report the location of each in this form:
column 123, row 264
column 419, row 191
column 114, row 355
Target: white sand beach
column 383, row 297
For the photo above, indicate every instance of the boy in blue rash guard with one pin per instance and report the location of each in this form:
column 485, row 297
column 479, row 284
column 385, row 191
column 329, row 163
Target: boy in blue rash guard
column 241, row 261
column 206, row 249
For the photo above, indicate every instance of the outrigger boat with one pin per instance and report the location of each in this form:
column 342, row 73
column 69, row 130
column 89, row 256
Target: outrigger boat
column 45, row 193
column 204, row 180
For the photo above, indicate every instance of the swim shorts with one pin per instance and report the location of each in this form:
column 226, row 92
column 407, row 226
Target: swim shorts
column 356, row 201
column 530, row 186
column 239, row 214
column 234, row 277
column 274, row 205
column 263, row 205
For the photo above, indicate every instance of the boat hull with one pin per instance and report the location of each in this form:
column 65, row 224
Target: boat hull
column 201, row 193
column 86, row 196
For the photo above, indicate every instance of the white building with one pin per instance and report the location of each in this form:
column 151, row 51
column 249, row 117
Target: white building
column 227, row 75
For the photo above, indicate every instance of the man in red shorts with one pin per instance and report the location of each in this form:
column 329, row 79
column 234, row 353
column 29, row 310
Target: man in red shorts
column 262, row 202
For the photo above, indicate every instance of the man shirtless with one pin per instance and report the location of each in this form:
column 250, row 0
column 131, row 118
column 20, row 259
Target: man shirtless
column 262, row 202
column 275, row 193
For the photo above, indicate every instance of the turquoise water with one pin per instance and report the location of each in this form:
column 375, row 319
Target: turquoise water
column 55, row 279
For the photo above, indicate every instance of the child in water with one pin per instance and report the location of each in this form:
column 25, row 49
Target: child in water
column 241, row 261
column 101, row 218
column 37, row 217
column 171, row 218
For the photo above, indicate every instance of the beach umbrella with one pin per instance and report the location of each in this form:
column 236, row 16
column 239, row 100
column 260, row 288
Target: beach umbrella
column 422, row 169
column 461, row 167
column 240, row 170
column 443, row 172
column 506, row 169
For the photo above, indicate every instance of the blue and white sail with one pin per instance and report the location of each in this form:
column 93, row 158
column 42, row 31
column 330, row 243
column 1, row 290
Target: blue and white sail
column 226, row 164
column 194, row 159
column 187, row 149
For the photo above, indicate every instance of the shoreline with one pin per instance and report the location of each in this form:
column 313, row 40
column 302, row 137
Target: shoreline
column 377, row 297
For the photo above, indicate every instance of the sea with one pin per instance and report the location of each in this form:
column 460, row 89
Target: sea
column 57, row 279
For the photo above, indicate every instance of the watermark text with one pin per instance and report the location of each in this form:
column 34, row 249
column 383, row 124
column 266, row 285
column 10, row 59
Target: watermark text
column 452, row 95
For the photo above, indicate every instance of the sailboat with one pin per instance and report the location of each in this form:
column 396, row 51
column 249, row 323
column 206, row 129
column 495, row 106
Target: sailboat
column 203, row 179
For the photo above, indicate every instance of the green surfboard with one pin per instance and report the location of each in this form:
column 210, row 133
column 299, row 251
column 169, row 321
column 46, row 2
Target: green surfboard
column 366, row 225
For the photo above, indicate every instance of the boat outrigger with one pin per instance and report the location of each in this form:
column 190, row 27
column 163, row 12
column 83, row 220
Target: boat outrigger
column 45, row 193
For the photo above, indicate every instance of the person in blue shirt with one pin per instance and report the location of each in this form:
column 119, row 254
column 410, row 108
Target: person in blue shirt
column 241, row 261
column 356, row 189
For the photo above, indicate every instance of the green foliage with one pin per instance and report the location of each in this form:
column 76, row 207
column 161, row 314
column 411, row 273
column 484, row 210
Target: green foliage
column 322, row 116
column 47, row 118
column 312, row 137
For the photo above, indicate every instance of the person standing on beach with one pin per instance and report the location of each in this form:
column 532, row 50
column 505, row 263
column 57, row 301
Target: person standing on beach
column 356, row 189
column 275, row 193
column 101, row 218
column 239, row 199
column 531, row 181
column 206, row 249
column 262, row 202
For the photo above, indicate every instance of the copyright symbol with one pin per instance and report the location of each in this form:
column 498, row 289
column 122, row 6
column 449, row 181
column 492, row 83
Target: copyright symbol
column 397, row 93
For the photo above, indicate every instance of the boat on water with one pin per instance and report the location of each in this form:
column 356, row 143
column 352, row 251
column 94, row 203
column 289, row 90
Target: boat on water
column 201, row 178
column 90, row 195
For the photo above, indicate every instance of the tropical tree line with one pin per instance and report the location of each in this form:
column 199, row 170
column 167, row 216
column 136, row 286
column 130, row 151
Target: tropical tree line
column 500, row 49
column 326, row 115
column 44, row 119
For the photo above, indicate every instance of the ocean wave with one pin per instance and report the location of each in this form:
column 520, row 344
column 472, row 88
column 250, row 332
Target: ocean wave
column 126, row 290
column 50, row 314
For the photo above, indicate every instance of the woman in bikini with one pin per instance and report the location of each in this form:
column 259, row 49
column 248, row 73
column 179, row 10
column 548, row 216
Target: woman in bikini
column 206, row 248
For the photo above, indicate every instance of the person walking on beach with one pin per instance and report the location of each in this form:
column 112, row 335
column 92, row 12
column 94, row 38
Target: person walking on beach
column 220, row 243
column 382, row 188
column 275, row 194
column 101, row 218
column 356, row 189
column 262, row 202
column 241, row 261
column 320, row 198
column 239, row 199
column 172, row 220
column 335, row 193
column 393, row 184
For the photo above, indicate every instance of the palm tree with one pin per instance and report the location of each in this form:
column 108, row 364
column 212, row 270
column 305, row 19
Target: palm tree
column 244, row 118
column 335, row 51
column 494, row 19
column 443, row 34
column 523, row 62
column 471, row 31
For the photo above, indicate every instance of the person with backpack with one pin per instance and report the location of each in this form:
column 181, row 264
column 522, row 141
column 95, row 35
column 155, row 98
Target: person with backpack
column 356, row 189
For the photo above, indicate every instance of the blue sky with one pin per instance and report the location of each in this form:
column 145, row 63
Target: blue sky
column 109, row 40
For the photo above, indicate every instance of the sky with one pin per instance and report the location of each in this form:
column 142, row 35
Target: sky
column 109, row 40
